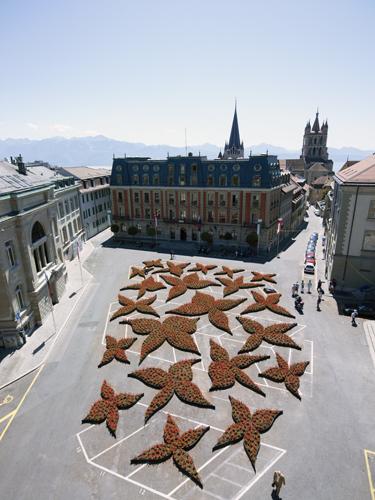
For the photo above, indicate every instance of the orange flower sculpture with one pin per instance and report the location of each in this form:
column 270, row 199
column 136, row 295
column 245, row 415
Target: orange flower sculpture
column 137, row 271
column 233, row 286
column 273, row 334
column 177, row 380
column 175, row 330
column 287, row 374
column 263, row 277
column 115, row 349
column 173, row 268
column 176, row 446
column 224, row 371
column 270, row 302
column 128, row 306
column 149, row 264
column 203, row 303
column 202, row 267
column 106, row 409
column 247, row 427
column 180, row 285
column 228, row 271
column 147, row 285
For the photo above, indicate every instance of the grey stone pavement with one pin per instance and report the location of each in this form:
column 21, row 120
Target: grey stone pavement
column 318, row 443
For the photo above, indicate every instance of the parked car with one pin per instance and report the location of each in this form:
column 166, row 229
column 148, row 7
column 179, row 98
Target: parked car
column 314, row 236
column 269, row 289
column 310, row 260
column 364, row 310
column 309, row 268
column 310, row 255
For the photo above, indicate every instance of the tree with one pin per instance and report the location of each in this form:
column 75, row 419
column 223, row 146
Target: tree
column 115, row 228
column 207, row 237
column 151, row 231
column 132, row 230
column 252, row 239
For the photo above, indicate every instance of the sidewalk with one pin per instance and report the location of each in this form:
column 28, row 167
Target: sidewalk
column 39, row 344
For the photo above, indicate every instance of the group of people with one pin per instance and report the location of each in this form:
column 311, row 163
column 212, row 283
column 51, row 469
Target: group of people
column 298, row 302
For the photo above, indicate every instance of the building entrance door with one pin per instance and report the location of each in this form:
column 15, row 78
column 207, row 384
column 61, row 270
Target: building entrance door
column 183, row 234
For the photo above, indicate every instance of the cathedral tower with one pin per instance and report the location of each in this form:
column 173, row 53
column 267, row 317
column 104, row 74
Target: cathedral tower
column 314, row 147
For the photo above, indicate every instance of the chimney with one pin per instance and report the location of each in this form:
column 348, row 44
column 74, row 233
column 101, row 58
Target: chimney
column 21, row 165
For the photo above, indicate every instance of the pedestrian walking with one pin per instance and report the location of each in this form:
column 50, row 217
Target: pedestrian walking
column 278, row 482
column 320, row 293
column 353, row 316
column 319, row 285
column 309, row 286
column 318, row 304
column 293, row 290
column 303, row 286
column 297, row 286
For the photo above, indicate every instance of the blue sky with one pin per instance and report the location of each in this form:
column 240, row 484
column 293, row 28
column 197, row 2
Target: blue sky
column 142, row 70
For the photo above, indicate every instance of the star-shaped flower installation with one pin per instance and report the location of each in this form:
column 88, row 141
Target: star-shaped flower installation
column 203, row 303
column 106, row 409
column 263, row 277
column 152, row 263
column 177, row 380
column 147, row 285
column 137, row 271
column 224, row 371
column 173, row 268
column 115, row 349
column 233, row 286
column 247, row 427
column 180, row 285
column 287, row 374
column 273, row 334
column 129, row 305
column 175, row 330
column 270, row 302
column 175, row 445
column 202, row 267
column 228, row 271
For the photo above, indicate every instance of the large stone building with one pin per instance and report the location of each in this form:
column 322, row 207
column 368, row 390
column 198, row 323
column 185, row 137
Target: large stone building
column 350, row 254
column 314, row 161
column 95, row 197
column 29, row 252
column 187, row 196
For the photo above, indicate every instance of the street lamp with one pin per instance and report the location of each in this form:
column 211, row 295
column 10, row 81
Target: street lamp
column 259, row 223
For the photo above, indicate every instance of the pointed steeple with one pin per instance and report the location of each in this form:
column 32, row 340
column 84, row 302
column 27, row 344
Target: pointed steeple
column 234, row 149
column 316, row 127
column 308, row 127
column 234, row 139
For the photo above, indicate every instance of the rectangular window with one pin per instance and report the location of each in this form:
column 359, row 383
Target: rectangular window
column 156, row 180
column 255, row 201
column 157, row 197
column 222, row 199
column 61, row 210
column 170, row 175
column 210, row 199
column 371, row 210
column 234, row 218
column 135, row 180
column 71, row 205
column 171, row 198
column 210, row 180
column 11, row 253
column 146, row 197
column 119, row 196
column 194, row 199
column 66, row 207
column 182, row 175
column 222, row 217
column 92, row 197
column 137, row 213
column 19, row 297
column 210, row 216
column 194, row 176
column 235, row 200
column 183, row 197
column 147, row 213
column 136, row 197
column 369, row 241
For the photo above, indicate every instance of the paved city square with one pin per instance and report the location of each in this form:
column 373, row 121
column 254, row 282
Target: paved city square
column 318, row 443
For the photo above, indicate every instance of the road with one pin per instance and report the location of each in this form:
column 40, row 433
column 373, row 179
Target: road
column 324, row 436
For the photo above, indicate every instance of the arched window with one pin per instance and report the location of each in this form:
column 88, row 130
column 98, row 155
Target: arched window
column 39, row 246
column 146, row 179
column 223, row 181
column 235, row 181
column 256, row 181
column 37, row 232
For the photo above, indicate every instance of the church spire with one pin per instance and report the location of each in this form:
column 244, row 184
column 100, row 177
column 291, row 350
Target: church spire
column 234, row 149
column 316, row 126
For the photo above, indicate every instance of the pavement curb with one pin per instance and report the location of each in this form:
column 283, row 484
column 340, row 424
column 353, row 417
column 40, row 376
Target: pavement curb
column 21, row 376
column 369, row 327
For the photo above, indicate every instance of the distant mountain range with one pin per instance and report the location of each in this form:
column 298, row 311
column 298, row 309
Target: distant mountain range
column 99, row 150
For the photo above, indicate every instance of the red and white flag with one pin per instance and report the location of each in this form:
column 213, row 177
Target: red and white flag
column 280, row 224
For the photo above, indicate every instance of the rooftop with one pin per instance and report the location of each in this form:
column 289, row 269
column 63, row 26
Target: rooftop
column 84, row 173
column 11, row 180
column 362, row 172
